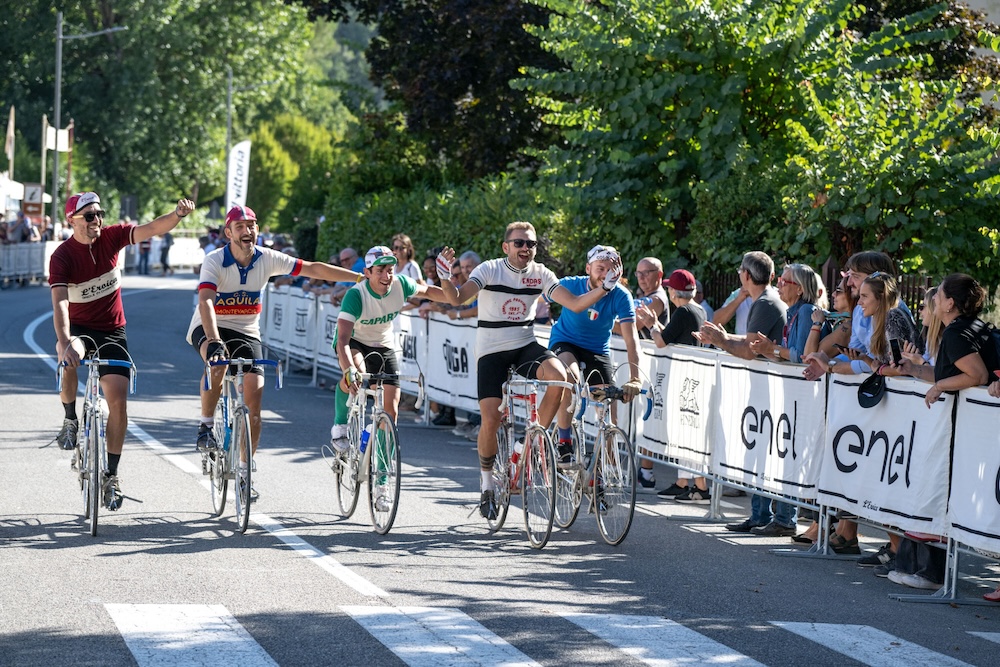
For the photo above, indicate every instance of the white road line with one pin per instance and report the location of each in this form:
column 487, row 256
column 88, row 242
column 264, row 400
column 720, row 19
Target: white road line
column 328, row 563
column 868, row 645
column 161, row 635
column 988, row 636
column 436, row 637
column 325, row 561
column 659, row 641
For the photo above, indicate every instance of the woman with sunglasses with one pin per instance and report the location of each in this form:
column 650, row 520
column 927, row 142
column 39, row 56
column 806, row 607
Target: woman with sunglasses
column 830, row 329
column 802, row 290
column 402, row 249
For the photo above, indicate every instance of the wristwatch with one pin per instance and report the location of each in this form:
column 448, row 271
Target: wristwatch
column 833, row 362
column 777, row 352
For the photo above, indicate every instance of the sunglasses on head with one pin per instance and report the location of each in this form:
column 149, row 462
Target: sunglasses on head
column 90, row 217
column 520, row 243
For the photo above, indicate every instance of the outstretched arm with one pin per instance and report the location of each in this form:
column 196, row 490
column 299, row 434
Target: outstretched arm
column 164, row 223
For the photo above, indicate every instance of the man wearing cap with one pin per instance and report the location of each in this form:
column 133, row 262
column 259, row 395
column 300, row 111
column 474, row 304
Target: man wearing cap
column 686, row 319
column 226, row 322
column 85, row 276
column 585, row 338
column 365, row 341
column 508, row 289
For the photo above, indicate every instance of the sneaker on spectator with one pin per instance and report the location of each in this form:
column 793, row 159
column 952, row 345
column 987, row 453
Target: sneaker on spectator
column 338, row 438
column 565, row 453
column 694, row 495
column 488, row 506
column 206, row 439
column 672, row 490
column 445, row 418
column 112, row 492
column 881, row 557
column 473, row 433
column 773, row 529
column 646, row 484
column 744, row 526
column 884, row 569
column 912, row 580
column 67, row 434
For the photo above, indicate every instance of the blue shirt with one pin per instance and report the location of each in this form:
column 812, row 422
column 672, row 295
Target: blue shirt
column 591, row 329
column 797, row 330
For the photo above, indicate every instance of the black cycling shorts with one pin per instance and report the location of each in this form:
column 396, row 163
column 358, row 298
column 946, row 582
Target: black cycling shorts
column 107, row 344
column 378, row 360
column 596, row 368
column 239, row 345
column 492, row 368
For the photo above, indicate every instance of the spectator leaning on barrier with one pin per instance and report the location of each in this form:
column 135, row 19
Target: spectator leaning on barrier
column 802, row 290
column 766, row 321
column 649, row 291
column 687, row 318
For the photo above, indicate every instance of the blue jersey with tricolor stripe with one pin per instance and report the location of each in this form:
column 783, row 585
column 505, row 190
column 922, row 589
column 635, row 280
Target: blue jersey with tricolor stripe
column 591, row 329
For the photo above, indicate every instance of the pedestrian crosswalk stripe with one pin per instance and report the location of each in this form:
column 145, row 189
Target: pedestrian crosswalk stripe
column 186, row 634
column 868, row 645
column 436, row 636
column 658, row 641
column 325, row 561
column 988, row 636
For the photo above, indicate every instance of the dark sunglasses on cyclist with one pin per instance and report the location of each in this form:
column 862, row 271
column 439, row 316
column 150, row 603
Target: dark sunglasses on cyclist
column 90, row 217
column 520, row 243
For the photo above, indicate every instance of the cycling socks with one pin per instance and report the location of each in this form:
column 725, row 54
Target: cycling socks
column 486, row 481
column 70, row 409
column 207, row 421
column 113, row 460
column 340, row 405
column 565, row 434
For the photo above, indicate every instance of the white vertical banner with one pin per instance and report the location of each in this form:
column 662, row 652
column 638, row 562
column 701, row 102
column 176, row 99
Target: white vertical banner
column 680, row 426
column 326, row 331
column 411, row 340
column 974, row 507
column 302, row 309
column 278, row 317
column 769, row 429
column 451, row 362
column 56, row 140
column 888, row 463
column 238, row 175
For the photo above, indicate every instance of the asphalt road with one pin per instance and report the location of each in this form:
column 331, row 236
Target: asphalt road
column 167, row 583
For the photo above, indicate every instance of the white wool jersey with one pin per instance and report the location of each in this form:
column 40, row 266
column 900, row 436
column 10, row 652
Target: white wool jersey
column 372, row 314
column 238, row 289
column 507, row 300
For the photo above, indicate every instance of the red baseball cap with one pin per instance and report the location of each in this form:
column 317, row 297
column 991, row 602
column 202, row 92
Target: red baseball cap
column 240, row 213
column 80, row 201
column 681, row 280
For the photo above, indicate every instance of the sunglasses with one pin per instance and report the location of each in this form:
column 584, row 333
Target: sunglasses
column 784, row 281
column 520, row 243
column 398, row 247
column 90, row 217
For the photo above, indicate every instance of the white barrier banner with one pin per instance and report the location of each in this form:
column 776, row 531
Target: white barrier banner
column 680, row 426
column 888, row 463
column 278, row 318
column 450, row 374
column 974, row 507
column 302, row 310
column 770, row 424
column 326, row 331
column 411, row 339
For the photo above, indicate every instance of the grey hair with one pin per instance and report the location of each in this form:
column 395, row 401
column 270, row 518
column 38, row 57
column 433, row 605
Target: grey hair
column 813, row 289
column 470, row 254
column 759, row 266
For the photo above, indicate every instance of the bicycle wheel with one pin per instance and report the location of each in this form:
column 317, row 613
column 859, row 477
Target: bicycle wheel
column 538, row 486
column 348, row 470
column 569, row 484
column 383, row 473
column 79, row 464
column 241, row 448
column 218, row 465
column 614, row 496
column 95, row 469
column 502, row 481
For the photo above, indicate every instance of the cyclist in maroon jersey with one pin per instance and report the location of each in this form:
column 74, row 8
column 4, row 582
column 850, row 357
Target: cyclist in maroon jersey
column 85, row 276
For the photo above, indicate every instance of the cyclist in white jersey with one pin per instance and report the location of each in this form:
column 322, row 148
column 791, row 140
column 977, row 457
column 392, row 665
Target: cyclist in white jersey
column 508, row 290
column 365, row 342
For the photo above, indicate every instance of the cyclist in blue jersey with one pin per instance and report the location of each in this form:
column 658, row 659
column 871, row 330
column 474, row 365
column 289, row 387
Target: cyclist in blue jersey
column 585, row 338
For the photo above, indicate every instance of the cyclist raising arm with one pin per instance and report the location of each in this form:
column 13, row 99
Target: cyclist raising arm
column 505, row 335
column 226, row 322
column 85, row 277
column 365, row 341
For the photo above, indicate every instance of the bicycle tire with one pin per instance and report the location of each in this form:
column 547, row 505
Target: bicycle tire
column 614, row 486
column 80, row 458
column 501, row 477
column 220, row 464
column 569, row 484
column 348, row 472
column 95, row 470
column 538, row 485
column 384, row 463
column 244, row 482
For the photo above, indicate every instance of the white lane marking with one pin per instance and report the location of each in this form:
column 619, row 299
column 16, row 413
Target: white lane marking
column 183, row 462
column 988, row 636
column 868, row 645
column 436, row 637
column 328, row 563
column 659, row 641
column 159, row 635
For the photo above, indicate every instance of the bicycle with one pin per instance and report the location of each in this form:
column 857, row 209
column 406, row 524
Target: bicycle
column 530, row 472
column 374, row 452
column 90, row 456
column 232, row 457
column 607, row 479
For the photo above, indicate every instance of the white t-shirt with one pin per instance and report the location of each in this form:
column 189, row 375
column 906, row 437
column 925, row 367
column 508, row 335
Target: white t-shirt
column 411, row 270
column 238, row 289
column 507, row 301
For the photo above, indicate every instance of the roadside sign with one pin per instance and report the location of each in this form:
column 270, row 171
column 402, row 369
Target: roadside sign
column 32, row 202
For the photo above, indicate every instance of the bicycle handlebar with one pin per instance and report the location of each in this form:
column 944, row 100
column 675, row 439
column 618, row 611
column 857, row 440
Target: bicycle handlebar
column 612, row 393
column 384, row 377
column 240, row 363
column 120, row 363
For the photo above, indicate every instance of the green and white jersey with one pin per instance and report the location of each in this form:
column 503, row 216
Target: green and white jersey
column 372, row 314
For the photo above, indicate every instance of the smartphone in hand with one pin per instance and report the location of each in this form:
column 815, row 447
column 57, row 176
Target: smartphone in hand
column 897, row 354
